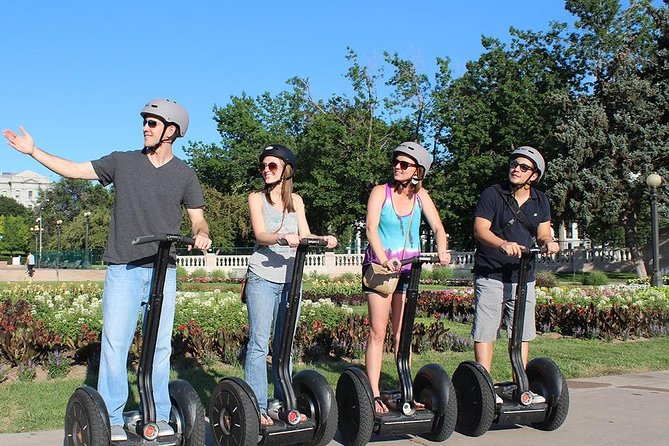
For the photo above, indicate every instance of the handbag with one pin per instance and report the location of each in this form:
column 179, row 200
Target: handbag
column 381, row 279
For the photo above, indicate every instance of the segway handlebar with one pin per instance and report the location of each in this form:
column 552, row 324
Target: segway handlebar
column 175, row 238
column 423, row 258
column 311, row 242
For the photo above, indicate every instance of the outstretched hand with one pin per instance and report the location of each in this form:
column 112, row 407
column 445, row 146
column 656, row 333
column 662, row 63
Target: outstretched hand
column 23, row 143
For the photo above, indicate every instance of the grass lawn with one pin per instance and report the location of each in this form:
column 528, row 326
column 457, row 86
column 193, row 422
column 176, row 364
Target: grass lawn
column 40, row 404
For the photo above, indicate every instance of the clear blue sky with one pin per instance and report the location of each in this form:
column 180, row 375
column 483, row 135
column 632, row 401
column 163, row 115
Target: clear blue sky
column 76, row 73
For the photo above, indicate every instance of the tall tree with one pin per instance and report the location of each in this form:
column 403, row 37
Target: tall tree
column 615, row 131
column 498, row 104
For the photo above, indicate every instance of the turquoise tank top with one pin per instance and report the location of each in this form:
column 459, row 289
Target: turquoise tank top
column 392, row 231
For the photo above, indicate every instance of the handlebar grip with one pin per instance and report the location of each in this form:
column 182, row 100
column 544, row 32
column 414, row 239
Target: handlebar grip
column 175, row 238
column 306, row 241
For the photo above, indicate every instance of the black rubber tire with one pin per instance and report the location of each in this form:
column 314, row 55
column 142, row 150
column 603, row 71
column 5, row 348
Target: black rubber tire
column 316, row 399
column 558, row 408
column 190, row 411
column 433, row 388
column 233, row 415
column 356, row 411
column 85, row 423
column 476, row 401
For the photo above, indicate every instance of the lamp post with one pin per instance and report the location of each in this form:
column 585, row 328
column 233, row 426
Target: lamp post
column 35, row 230
column 653, row 181
column 39, row 228
column 58, row 224
column 87, row 259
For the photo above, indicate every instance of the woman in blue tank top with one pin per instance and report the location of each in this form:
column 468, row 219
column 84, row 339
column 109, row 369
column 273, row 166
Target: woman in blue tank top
column 393, row 230
column 276, row 213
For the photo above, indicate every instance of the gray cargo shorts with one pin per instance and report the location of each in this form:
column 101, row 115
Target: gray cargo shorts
column 494, row 302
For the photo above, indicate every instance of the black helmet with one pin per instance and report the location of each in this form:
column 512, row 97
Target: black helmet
column 281, row 152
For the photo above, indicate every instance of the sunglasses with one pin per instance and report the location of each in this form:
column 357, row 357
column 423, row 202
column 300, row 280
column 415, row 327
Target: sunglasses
column 152, row 123
column 523, row 167
column 272, row 166
column 404, row 165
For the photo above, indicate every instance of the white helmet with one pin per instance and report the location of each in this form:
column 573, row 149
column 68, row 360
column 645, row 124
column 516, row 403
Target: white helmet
column 417, row 152
column 533, row 155
column 169, row 111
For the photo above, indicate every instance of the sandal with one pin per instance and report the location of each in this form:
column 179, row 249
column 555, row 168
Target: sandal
column 394, row 404
column 265, row 420
column 380, row 406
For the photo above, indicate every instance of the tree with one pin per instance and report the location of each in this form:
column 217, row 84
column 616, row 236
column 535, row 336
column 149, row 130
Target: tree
column 9, row 206
column 615, row 131
column 497, row 105
column 67, row 200
column 15, row 234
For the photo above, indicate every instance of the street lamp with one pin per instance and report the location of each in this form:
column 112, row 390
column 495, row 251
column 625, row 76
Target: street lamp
column 35, row 230
column 58, row 224
column 39, row 230
column 87, row 259
column 653, row 181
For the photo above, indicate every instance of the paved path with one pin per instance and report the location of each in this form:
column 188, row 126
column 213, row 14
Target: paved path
column 609, row 410
column 17, row 273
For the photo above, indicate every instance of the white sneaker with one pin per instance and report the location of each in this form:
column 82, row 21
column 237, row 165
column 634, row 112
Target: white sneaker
column 118, row 433
column 164, row 428
column 498, row 400
column 536, row 398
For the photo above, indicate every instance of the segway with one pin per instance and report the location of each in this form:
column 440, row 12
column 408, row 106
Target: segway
column 358, row 419
column 477, row 407
column 234, row 413
column 86, row 417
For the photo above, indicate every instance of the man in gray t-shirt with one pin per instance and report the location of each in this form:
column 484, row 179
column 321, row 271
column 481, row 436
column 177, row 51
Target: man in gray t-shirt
column 152, row 186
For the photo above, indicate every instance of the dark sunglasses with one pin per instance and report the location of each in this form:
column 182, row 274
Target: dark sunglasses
column 523, row 167
column 273, row 167
column 404, row 165
column 152, row 123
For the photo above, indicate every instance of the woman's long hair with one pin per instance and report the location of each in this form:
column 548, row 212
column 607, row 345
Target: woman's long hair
column 286, row 192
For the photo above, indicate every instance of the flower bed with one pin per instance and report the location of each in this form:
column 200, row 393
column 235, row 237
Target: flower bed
column 37, row 320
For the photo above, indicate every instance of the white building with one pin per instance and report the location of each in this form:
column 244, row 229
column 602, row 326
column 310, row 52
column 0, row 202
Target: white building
column 24, row 186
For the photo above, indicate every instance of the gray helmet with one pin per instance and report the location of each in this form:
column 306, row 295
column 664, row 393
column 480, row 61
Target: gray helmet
column 533, row 155
column 417, row 152
column 169, row 111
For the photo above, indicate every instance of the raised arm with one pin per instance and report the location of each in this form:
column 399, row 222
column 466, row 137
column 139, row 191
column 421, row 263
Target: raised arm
column 24, row 143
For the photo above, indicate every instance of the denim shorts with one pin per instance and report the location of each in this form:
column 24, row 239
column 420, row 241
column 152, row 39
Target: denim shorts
column 402, row 284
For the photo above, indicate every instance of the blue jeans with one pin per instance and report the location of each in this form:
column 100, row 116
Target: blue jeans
column 266, row 302
column 127, row 290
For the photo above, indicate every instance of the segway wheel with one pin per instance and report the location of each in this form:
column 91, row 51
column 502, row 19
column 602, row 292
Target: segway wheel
column 316, row 400
column 433, row 388
column 356, row 410
column 86, row 419
column 187, row 413
column 476, row 403
column 233, row 415
column 546, row 379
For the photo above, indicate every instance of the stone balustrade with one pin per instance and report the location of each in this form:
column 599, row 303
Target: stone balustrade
column 329, row 263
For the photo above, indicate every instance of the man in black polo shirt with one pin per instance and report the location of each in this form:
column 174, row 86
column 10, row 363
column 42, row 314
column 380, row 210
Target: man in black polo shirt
column 509, row 216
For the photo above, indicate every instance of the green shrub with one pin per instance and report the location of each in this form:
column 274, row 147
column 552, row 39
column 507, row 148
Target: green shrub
column 181, row 271
column 199, row 272
column 595, row 278
column 441, row 273
column 546, row 279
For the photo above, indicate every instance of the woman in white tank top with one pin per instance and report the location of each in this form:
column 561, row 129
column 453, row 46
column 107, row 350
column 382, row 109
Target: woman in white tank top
column 276, row 213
